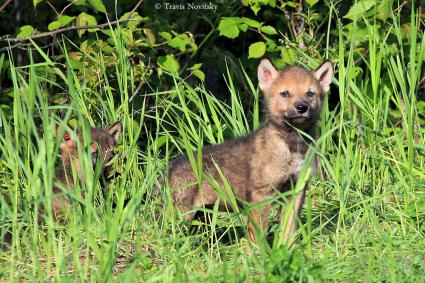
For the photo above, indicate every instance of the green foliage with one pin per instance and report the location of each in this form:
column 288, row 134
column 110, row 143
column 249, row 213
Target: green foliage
column 269, row 30
column 25, row 31
column 257, row 50
column 36, row 2
column 85, row 19
column 359, row 9
column 62, row 21
column 229, row 27
column 364, row 218
column 169, row 64
column 290, row 266
column 159, row 40
column 98, row 5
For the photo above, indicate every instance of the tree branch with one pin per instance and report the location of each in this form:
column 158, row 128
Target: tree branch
column 4, row 5
column 52, row 33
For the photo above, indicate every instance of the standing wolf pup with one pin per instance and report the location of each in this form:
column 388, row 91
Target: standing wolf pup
column 266, row 160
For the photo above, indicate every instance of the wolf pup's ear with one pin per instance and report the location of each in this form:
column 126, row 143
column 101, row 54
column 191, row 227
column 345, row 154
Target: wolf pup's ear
column 267, row 73
column 115, row 130
column 324, row 74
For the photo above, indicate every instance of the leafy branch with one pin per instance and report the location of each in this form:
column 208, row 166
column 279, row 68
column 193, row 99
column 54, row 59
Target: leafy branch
column 62, row 30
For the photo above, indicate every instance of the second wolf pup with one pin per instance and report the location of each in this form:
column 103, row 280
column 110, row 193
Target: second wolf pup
column 102, row 144
column 266, row 160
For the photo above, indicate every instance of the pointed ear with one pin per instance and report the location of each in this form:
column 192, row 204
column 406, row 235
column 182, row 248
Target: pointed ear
column 267, row 73
column 324, row 74
column 115, row 130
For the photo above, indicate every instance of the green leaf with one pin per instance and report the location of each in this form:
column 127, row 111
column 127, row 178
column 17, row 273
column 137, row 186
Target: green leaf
column 128, row 36
column 311, row 3
column 272, row 45
column 168, row 63
column 136, row 19
column 65, row 20
column 84, row 19
column 255, row 8
column 178, row 43
column 228, row 27
column 385, row 10
column 76, row 65
column 25, row 31
column 195, row 67
column 268, row 30
column 80, row 2
column 284, row 5
column 256, row 50
column 166, row 35
column 61, row 22
column 243, row 27
column 288, row 56
column 359, row 9
column 199, row 74
column 98, row 5
column 36, row 2
column 355, row 33
column 271, row 3
column 150, row 35
column 54, row 25
column 250, row 22
column 1, row 61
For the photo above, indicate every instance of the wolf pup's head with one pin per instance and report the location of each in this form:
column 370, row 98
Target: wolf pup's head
column 102, row 144
column 294, row 95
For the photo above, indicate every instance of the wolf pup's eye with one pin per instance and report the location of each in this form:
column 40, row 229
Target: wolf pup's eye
column 310, row 93
column 284, row 93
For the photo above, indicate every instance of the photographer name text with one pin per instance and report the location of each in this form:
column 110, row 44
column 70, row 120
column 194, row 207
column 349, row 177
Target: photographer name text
column 187, row 6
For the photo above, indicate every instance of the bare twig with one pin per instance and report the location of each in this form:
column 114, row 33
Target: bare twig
column 64, row 9
column 401, row 6
column 4, row 5
column 31, row 47
column 52, row 33
column 300, row 25
column 361, row 56
column 136, row 91
column 421, row 82
column 53, row 8
column 298, row 28
column 10, row 47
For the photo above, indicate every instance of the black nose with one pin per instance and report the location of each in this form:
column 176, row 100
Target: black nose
column 302, row 107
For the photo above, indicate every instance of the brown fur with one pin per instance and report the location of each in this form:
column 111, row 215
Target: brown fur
column 103, row 142
column 266, row 160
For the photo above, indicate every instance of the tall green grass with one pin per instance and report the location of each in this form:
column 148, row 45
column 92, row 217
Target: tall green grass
column 364, row 214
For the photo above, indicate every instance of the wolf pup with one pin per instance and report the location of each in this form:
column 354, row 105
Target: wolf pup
column 267, row 160
column 102, row 144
